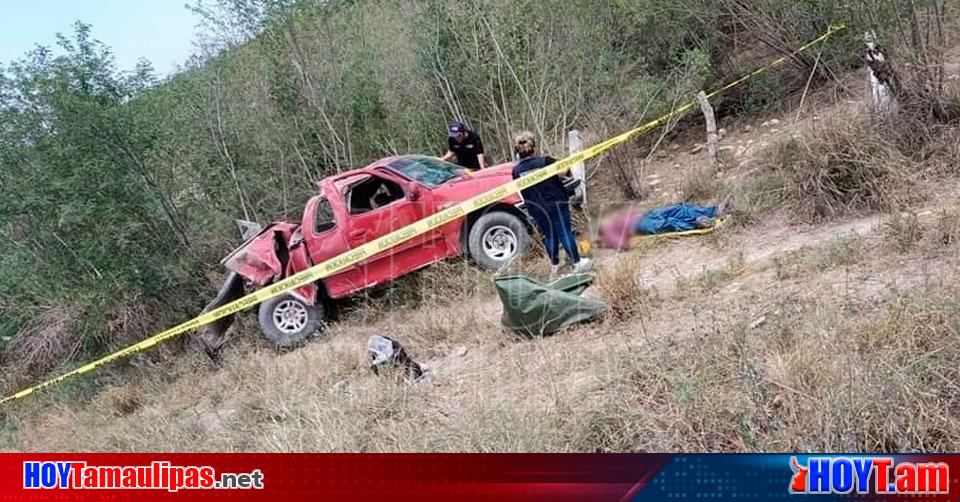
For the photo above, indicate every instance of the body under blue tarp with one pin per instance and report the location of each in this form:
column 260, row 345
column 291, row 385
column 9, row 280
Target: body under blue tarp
column 676, row 218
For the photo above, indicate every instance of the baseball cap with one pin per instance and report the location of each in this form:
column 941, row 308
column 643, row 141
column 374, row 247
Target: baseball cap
column 455, row 128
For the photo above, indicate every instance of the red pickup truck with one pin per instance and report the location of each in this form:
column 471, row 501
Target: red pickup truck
column 354, row 208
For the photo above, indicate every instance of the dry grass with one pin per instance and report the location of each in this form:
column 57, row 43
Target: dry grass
column 866, row 385
column 438, row 284
column 844, row 165
column 703, row 186
column 619, row 284
column 709, row 280
column 750, row 198
column 946, row 230
column 755, row 197
column 903, row 231
column 758, row 369
column 841, row 251
column 48, row 341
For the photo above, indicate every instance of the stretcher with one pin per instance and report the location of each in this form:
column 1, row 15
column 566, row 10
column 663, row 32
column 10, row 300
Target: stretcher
column 639, row 240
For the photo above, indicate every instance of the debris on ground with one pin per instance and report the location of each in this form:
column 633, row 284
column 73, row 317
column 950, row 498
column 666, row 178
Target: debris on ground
column 387, row 353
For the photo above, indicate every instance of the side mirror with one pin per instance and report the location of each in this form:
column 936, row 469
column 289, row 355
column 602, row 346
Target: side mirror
column 413, row 191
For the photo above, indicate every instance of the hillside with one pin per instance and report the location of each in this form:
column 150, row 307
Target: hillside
column 824, row 318
column 100, row 168
column 791, row 330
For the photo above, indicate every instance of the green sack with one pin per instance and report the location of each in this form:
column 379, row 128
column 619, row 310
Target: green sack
column 534, row 309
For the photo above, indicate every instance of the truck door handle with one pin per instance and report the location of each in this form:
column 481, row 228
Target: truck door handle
column 358, row 234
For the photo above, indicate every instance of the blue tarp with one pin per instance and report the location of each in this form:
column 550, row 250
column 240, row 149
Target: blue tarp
column 676, row 218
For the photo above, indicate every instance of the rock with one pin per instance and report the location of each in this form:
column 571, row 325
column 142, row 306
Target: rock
column 765, row 123
column 722, row 132
column 674, row 146
column 462, row 351
column 758, row 322
column 774, row 122
column 747, row 128
column 697, row 149
column 654, row 183
column 774, row 130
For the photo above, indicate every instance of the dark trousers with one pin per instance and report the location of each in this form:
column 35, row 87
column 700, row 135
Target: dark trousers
column 553, row 220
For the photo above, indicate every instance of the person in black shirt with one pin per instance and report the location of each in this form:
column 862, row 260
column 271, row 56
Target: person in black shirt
column 548, row 205
column 466, row 146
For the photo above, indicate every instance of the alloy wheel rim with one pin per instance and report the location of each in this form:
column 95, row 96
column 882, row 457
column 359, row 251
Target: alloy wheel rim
column 290, row 316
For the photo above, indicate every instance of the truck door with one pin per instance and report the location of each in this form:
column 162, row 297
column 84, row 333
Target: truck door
column 324, row 237
column 379, row 204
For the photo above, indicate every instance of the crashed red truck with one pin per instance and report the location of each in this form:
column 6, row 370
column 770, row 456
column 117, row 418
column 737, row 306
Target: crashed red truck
column 354, row 208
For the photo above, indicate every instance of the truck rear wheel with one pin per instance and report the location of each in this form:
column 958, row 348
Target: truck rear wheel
column 287, row 321
column 497, row 238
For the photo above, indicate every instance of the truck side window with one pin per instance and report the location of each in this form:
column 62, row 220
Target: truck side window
column 373, row 193
column 324, row 219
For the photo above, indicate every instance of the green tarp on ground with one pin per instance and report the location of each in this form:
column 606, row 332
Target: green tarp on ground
column 532, row 308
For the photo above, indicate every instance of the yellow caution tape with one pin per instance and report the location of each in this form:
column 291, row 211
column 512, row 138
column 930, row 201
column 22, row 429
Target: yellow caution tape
column 644, row 239
column 338, row 263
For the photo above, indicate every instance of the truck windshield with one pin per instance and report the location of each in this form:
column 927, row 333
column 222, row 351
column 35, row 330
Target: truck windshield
column 428, row 171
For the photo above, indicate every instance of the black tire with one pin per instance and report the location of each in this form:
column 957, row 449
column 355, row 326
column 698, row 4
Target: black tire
column 287, row 321
column 497, row 238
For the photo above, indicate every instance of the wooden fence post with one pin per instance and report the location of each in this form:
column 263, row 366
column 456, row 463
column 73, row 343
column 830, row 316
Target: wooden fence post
column 711, row 128
column 579, row 170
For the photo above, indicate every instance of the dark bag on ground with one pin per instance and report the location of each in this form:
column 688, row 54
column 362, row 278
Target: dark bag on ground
column 385, row 353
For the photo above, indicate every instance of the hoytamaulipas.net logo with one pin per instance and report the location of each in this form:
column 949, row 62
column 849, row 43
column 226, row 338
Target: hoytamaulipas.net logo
column 868, row 475
column 156, row 476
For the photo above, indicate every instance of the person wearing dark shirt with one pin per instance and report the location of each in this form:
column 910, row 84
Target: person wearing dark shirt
column 466, row 146
column 548, row 205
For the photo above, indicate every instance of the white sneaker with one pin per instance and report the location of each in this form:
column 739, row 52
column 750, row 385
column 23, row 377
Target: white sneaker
column 554, row 271
column 584, row 265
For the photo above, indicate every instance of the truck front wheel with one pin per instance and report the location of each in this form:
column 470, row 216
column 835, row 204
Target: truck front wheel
column 496, row 239
column 287, row 321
